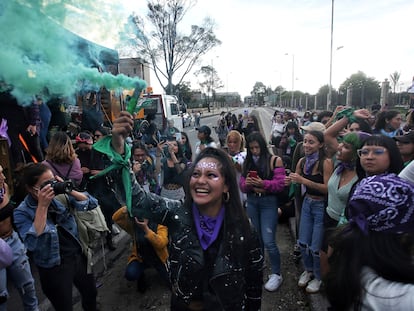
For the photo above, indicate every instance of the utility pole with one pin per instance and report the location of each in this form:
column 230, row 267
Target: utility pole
column 329, row 99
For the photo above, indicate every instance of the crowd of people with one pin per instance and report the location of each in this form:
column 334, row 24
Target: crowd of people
column 207, row 221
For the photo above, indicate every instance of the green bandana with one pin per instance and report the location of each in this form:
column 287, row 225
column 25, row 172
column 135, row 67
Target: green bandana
column 118, row 162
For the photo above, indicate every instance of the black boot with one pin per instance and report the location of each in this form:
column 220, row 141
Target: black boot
column 109, row 242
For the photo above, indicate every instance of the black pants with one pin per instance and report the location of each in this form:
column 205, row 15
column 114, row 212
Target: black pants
column 57, row 284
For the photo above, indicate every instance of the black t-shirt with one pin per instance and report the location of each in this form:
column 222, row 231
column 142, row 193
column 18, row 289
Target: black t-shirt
column 68, row 246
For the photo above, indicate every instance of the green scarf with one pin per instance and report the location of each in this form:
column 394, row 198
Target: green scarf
column 118, row 162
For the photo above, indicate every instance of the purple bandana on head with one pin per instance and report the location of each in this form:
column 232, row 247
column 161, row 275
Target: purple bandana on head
column 207, row 227
column 383, row 203
column 310, row 161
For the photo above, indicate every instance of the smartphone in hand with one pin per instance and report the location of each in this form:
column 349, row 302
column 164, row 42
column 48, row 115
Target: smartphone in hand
column 253, row 174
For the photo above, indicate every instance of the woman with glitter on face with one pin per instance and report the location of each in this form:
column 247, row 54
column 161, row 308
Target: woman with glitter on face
column 215, row 257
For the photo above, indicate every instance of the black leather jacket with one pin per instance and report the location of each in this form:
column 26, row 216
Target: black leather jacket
column 228, row 277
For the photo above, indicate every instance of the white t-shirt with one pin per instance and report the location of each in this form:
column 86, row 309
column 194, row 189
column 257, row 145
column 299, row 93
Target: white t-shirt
column 211, row 144
column 408, row 172
column 383, row 295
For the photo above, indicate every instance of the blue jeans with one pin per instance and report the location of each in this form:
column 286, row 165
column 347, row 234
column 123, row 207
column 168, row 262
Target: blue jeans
column 311, row 231
column 263, row 213
column 135, row 270
column 20, row 275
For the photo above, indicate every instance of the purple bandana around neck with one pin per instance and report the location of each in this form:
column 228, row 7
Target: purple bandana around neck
column 207, row 227
column 310, row 161
column 2, row 192
column 345, row 166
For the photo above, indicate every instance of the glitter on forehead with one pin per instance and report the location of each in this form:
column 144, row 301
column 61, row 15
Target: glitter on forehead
column 207, row 165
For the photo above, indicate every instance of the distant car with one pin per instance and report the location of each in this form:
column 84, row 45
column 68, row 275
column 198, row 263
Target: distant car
column 187, row 119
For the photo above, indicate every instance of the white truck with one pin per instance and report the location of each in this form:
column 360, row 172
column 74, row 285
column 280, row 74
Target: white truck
column 165, row 108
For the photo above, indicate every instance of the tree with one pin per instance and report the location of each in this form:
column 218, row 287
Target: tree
column 170, row 52
column 258, row 92
column 323, row 96
column 183, row 92
column 365, row 90
column 209, row 81
column 395, row 77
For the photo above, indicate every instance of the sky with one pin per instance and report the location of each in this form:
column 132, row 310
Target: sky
column 375, row 36
column 260, row 40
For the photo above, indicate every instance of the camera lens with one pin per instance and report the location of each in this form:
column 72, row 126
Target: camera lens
column 62, row 187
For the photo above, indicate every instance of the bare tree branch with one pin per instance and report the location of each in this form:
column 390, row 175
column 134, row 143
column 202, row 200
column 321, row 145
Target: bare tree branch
column 169, row 52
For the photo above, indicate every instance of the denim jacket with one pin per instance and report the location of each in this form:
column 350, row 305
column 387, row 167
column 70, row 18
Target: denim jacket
column 45, row 247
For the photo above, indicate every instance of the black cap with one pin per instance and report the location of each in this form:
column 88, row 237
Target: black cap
column 204, row 129
column 406, row 138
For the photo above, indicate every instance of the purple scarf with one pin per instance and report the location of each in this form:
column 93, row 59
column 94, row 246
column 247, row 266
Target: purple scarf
column 2, row 192
column 345, row 166
column 3, row 131
column 207, row 227
column 310, row 161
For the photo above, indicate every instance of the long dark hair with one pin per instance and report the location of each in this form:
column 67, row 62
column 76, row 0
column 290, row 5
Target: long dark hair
column 389, row 255
column 264, row 160
column 292, row 125
column 32, row 172
column 188, row 152
column 382, row 118
column 235, row 214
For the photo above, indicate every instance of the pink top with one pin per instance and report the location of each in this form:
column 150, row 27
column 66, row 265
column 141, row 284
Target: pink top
column 276, row 184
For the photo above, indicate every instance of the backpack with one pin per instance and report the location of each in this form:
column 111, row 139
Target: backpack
column 92, row 229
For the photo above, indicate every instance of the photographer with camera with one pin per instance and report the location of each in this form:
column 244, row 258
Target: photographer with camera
column 49, row 230
column 143, row 167
column 171, row 166
column 149, row 247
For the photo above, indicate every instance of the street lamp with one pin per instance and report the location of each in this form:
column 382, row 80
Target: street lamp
column 329, row 100
column 293, row 78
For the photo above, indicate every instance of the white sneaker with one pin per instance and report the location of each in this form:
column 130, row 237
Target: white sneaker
column 305, row 278
column 313, row 286
column 115, row 230
column 273, row 283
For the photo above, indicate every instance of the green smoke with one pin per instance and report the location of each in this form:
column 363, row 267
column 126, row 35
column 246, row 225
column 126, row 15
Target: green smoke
column 39, row 56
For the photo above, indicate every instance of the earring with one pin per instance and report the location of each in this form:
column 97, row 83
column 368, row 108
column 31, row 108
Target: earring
column 226, row 197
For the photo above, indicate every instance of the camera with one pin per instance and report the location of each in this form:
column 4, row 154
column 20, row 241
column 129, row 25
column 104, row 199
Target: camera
column 165, row 151
column 145, row 165
column 59, row 187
